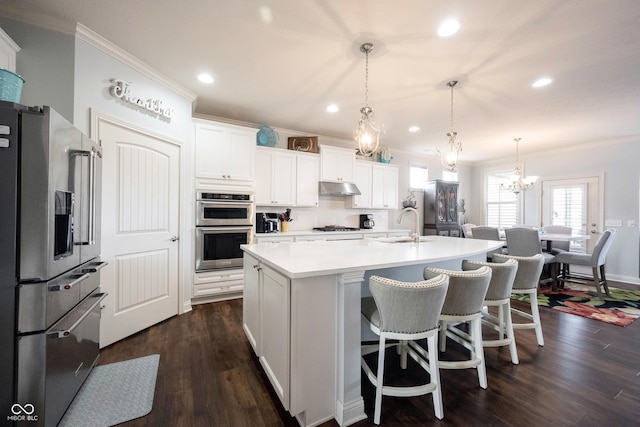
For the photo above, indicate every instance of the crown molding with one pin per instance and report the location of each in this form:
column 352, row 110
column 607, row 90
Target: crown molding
column 94, row 39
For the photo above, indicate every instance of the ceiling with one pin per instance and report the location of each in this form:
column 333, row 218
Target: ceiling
column 280, row 63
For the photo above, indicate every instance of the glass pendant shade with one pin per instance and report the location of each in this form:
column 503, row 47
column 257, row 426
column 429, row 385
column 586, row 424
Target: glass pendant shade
column 368, row 134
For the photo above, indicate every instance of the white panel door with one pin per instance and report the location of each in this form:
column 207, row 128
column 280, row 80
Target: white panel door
column 140, row 223
column 574, row 202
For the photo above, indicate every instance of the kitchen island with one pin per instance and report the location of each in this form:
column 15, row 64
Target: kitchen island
column 302, row 312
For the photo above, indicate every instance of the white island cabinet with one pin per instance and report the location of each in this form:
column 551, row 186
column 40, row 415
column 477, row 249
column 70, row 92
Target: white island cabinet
column 302, row 313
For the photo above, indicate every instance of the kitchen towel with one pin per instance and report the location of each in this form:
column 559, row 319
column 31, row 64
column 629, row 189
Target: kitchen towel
column 114, row 393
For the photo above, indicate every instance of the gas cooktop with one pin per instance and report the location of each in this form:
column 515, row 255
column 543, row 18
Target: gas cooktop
column 335, row 228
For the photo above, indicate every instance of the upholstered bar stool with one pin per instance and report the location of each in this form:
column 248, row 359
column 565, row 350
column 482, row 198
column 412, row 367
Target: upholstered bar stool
column 498, row 295
column 595, row 260
column 406, row 311
column 526, row 242
column 463, row 304
column 487, row 233
column 526, row 282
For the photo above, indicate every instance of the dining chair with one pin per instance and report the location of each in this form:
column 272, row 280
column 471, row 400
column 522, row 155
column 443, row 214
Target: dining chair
column 558, row 229
column 467, row 230
column 498, row 295
column 526, row 242
column 405, row 311
column 526, row 282
column 487, row 233
column 596, row 260
column 463, row 304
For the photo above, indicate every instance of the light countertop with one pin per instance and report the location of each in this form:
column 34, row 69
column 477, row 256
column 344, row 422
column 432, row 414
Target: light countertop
column 364, row 231
column 308, row 259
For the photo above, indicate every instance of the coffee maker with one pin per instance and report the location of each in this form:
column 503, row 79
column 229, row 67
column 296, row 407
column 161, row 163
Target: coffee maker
column 366, row 221
column 267, row 223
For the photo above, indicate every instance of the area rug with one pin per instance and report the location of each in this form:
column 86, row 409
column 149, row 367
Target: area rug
column 621, row 309
column 114, row 393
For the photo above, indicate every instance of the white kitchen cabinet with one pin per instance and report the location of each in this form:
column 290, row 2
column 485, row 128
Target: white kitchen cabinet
column 251, row 302
column 273, row 238
column 266, row 321
column 275, row 177
column 336, row 164
column 362, row 176
column 384, row 187
column 217, row 285
column 307, row 177
column 8, row 51
column 275, row 333
column 224, row 154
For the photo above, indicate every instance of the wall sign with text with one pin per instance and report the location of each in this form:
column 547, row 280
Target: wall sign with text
column 122, row 90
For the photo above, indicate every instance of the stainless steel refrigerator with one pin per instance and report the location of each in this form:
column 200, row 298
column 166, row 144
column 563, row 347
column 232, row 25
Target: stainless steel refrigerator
column 50, row 195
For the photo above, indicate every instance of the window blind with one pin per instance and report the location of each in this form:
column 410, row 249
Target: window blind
column 502, row 208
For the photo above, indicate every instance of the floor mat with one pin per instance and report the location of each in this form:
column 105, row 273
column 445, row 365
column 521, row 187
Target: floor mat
column 114, row 393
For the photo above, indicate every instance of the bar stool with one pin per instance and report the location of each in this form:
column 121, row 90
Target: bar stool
column 526, row 282
column 463, row 304
column 498, row 295
column 406, row 311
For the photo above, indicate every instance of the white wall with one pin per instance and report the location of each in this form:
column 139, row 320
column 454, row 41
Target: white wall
column 617, row 162
column 46, row 62
column 94, row 70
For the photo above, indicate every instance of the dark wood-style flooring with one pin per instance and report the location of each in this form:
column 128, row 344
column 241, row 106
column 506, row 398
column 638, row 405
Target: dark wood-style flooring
column 587, row 374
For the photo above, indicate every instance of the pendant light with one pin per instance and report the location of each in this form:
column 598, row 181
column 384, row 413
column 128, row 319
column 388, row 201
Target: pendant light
column 516, row 183
column 368, row 133
column 449, row 159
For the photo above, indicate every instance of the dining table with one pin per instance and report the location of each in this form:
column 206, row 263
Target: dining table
column 549, row 238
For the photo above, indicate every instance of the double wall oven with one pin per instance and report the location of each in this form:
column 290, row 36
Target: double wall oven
column 49, row 263
column 224, row 221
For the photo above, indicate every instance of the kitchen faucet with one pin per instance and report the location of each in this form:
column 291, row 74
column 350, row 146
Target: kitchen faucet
column 416, row 236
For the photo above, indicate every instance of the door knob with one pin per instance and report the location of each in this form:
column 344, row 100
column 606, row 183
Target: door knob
column 174, row 239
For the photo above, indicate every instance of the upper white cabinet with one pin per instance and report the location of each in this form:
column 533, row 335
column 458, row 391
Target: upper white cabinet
column 8, row 50
column 275, row 177
column 337, row 163
column 384, row 187
column 224, row 153
column 362, row 176
column 286, row 178
column 307, row 177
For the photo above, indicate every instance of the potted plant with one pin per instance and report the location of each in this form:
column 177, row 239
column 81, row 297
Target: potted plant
column 409, row 201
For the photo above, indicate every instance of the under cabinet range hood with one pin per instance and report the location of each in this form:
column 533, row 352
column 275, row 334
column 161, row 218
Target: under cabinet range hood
column 329, row 188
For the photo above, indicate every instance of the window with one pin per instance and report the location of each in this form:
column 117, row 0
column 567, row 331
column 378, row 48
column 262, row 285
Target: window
column 418, row 176
column 569, row 207
column 449, row 176
column 502, row 207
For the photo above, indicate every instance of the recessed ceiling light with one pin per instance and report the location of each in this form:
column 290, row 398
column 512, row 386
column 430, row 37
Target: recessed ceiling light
column 542, row 82
column 333, row 108
column 205, row 78
column 448, row 28
column 414, row 128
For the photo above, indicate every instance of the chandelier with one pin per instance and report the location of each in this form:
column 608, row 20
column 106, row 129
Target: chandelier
column 450, row 160
column 368, row 133
column 516, row 183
